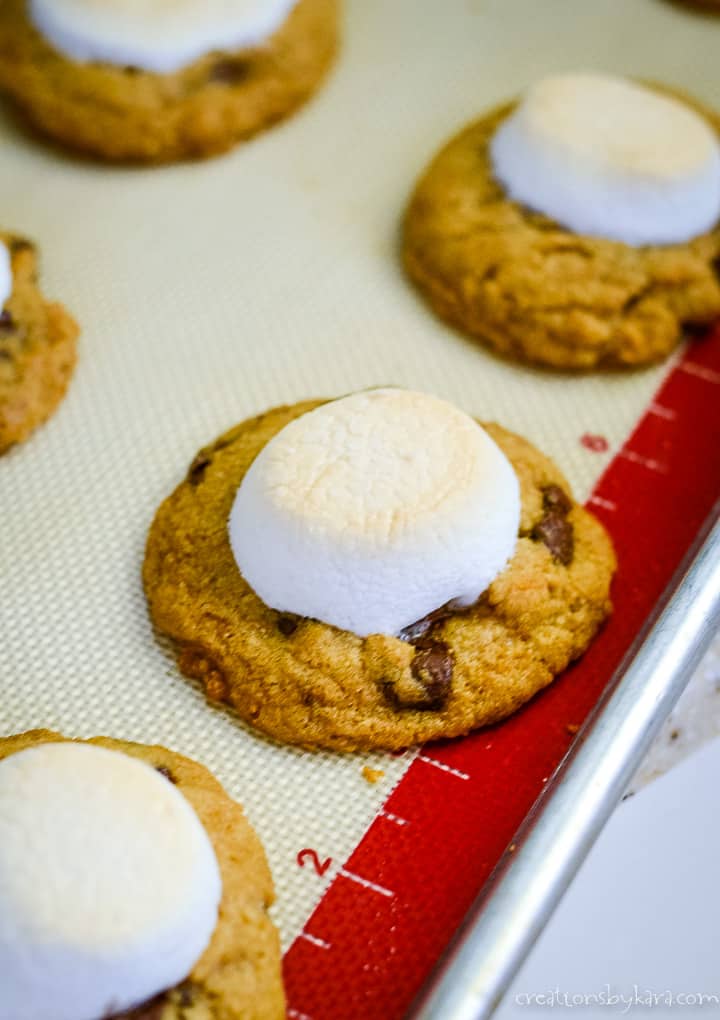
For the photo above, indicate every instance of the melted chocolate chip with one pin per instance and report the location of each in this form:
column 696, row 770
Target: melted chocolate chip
column 556, row 533
column 186, row 996
column 554, row 529
column 7, row 323
column 197, row 469
column 228, row 71
column 420, row 628
column 287, row 625
column 165, row 771
column 432, row 669
column 202, row 462
column 555, row 498
column 151, row 1010
column 19, row 244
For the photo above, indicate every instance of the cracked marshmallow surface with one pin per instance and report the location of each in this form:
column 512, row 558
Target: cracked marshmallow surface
column 109, row 885
column 372, row 511
column 607, row 157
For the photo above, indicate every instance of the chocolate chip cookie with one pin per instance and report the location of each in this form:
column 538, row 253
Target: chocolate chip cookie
column 517, row 281
column 238, row 976
column 38, row 341
column 307, row 683
column 127, row 114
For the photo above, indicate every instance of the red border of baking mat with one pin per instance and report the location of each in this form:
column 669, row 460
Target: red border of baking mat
column 391, row 910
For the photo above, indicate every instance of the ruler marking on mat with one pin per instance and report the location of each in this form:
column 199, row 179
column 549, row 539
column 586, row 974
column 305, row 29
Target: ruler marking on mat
column 666, row 413
column 646, row 462
column 441, row 765
column 392, row 818
column 606, row 504
column 365, row 882
column 699, row 371
column 314, row 940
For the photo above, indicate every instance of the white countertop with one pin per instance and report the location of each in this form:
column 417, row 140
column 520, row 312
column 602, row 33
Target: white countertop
column 694, row 721
column 636, row 933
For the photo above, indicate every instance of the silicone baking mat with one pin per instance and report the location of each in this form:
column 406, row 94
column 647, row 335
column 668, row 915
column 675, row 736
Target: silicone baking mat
column 209, row 292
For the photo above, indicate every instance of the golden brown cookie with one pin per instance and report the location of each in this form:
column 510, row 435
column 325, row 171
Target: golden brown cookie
column 38, row 349
column 308, row 683
column 132, row 115
column 533, row 290
column 238, row 976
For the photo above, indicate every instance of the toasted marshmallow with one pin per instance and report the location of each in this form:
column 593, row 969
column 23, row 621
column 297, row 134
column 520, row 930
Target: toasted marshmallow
column 109, row 886
column 162, row 36
column 372, row 511
column 6, row 279
column 609, row 158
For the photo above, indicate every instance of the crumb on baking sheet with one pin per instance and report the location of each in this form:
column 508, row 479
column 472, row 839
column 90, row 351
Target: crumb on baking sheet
column 572, row 728
column 372, row 775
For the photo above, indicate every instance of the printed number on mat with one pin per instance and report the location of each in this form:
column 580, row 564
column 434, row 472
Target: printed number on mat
column 307, row 855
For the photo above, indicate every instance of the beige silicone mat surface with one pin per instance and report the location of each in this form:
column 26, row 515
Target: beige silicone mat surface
column 209, row 292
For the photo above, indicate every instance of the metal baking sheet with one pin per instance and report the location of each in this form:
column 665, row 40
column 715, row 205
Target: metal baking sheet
column 209, row 292
column 553, row 840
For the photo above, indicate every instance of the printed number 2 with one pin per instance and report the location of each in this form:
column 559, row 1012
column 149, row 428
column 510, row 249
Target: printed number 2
column 311, row 855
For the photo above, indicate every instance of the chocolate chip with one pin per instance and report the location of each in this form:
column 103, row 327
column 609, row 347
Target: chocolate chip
column 186, row 996
column 165, row 771
column 228, row 71
column 7, row 323
column 19, row 244
column 287, row 625
column 555, row 498
column 554, row 530
column 197, row 469
column 151, row 1010
column 432, row 670
column 433, row 667
column 420, row 628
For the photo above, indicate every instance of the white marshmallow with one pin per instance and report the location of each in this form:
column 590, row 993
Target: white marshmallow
column 162, row 36
column 609, row 158
column 109, row 885
column 374, row 510
column 6, row 279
